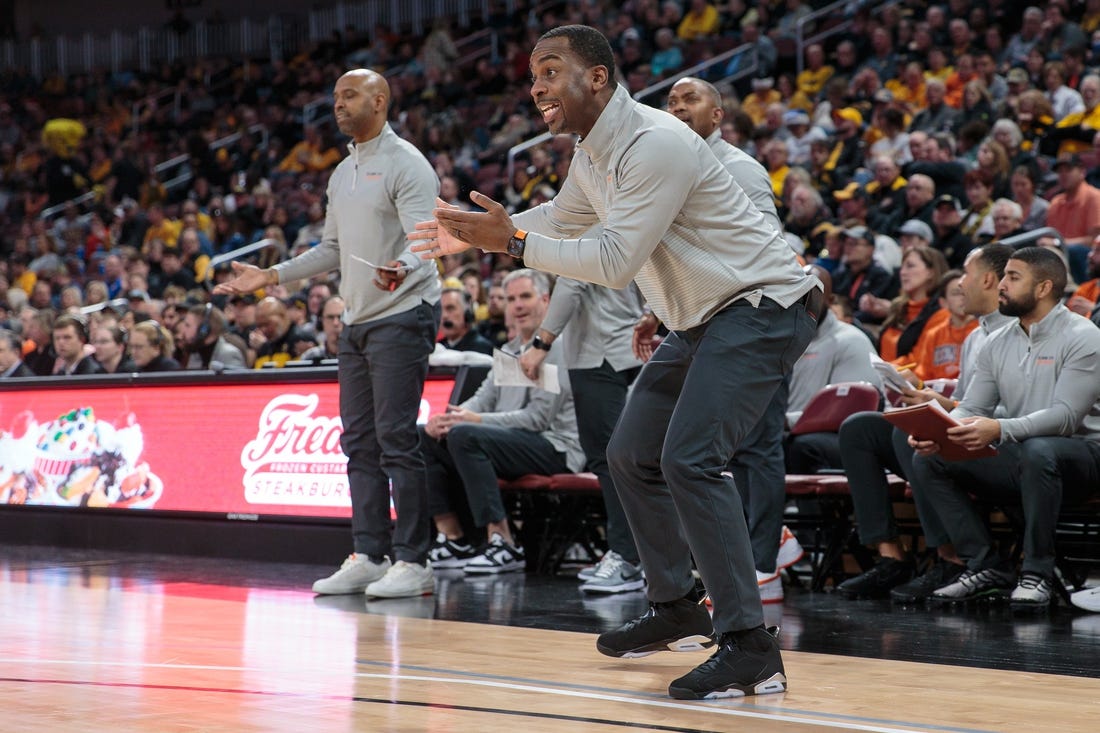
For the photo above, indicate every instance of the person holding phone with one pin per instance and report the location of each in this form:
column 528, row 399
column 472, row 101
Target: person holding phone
column 378, row 192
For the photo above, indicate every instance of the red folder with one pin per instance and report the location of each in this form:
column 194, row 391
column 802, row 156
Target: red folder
column 929, row 421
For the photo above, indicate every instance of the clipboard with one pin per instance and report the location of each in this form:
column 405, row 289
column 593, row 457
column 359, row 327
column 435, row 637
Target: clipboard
column 929, row 421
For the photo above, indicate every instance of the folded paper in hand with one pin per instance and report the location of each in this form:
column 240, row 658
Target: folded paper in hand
column 444, row 357
column 507, row 373
column 891, row 377
column 929, row 421
column 387, row 268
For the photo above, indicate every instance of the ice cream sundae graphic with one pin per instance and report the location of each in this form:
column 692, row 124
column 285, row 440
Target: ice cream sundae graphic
column 76, row 460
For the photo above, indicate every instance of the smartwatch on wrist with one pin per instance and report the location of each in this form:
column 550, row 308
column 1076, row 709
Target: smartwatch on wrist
column 517, row 244
column 538, row 343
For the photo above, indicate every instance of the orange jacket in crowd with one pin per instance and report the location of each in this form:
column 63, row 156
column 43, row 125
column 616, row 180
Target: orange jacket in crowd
column 938, row 349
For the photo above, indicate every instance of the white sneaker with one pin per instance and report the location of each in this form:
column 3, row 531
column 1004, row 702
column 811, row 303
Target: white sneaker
column 614, row 575
column 498, row 557
column 790, row 551
column 771, row 587
column 1032, row 591
column 354, row 576
column 586, row 573
column 448, row 554
column 1087, row 599
column 403, row 580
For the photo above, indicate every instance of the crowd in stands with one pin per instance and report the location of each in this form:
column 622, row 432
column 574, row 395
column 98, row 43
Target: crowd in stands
column 915, row 135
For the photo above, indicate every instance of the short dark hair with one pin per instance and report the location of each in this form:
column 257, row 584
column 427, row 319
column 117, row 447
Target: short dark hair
column 1046, row 264
column 994, row 257
column 893, row 116
column 210, row 315
column 945, row 280
column 588, row 43
column 79, row 324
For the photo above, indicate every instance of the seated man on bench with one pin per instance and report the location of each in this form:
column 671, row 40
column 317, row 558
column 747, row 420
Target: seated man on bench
column 500, row 432
column 1035, row 395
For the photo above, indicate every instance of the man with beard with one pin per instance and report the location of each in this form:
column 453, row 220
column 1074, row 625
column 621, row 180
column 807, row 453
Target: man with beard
column 1033, row 395
column 870, row 446
column 740, row 311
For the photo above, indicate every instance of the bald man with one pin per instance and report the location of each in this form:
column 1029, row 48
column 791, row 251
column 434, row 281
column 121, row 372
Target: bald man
column 275, row 339
column 375, row 195
column 757, row 466
column 698, row 104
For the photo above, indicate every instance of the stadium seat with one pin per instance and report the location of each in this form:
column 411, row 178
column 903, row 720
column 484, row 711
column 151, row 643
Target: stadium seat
column 828, row 408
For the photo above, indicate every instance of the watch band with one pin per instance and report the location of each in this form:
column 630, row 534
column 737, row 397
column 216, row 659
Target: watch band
column 538, row 343
column 517, row 244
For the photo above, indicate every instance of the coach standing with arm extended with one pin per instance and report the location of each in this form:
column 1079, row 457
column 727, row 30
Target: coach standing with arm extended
column 375, row 195
column 739, row 307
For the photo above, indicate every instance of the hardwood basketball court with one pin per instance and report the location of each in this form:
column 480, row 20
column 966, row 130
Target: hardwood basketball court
column 154, row 643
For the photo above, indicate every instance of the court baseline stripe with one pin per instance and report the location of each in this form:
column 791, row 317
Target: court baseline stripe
column 441, row 706
column 700, row 706
column 639, row 697
column 802, row 718
column 350, row 698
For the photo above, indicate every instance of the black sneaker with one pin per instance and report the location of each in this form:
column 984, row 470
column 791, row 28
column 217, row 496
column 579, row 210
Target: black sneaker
column 749, row 666
column 974, row 585
column 921, row 587
column 877, row 582
column 498, row 557
column 447, row 553
column 678, row 626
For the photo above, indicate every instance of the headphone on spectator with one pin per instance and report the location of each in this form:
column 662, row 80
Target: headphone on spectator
column 203, row 331
column 321, row 311
column 468, row 312
column 158, row 334
column 76, row 322
column 468, row 309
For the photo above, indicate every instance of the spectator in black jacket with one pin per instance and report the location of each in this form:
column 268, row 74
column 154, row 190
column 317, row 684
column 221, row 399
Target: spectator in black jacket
column 151, row 347
column 494, row 328
column 947, row 223
column 110, row 350
column 940, row 165
column 919, row 195
column 847, row 153
column 11, row 356
column 937, row 116
column 858, row 275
